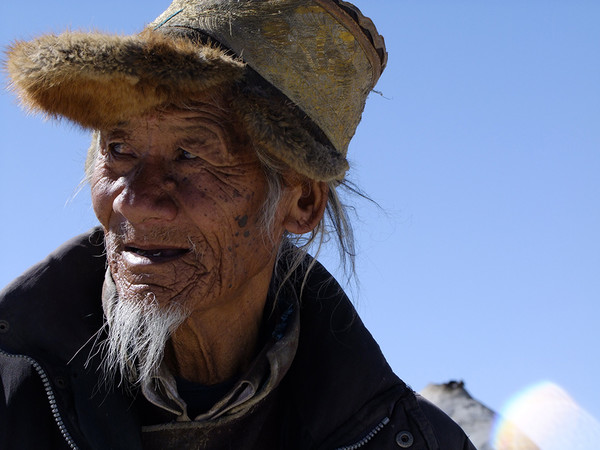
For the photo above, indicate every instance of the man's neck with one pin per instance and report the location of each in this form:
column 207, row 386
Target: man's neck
column 215, row 345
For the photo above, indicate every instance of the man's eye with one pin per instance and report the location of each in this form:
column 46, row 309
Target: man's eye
column 184, row 154
column 117, row 149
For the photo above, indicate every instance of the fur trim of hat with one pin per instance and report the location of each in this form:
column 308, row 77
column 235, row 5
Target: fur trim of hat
column 286, row 132
column 98, row 80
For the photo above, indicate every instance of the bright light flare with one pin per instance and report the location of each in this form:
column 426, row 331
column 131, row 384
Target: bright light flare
column 550, row 417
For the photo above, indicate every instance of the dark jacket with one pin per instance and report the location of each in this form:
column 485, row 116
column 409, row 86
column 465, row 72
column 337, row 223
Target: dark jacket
column 339, row 392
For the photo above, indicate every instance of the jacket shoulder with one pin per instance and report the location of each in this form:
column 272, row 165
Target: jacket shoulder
column 447, row 433
column 400, row 418
column 72, row 260
column 346, row 394
column 47, row 309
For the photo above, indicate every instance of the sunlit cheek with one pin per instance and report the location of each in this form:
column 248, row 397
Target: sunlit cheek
column 102, row 198
column 105, row 186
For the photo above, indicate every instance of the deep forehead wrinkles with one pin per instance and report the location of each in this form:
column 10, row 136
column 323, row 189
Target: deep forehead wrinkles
column 199, row 129
column 201, row 124
column 217, row 117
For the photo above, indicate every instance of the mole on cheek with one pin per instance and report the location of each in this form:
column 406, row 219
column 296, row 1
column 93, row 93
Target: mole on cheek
column 246, row 233
column 242, row 221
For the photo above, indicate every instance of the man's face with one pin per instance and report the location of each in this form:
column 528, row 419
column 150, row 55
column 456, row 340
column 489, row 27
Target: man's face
column 179, row 194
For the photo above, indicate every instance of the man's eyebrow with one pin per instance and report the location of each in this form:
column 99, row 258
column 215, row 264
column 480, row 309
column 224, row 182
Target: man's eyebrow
column 116, row 133
column 198, row 140
column 194, row 132
column 195, row 128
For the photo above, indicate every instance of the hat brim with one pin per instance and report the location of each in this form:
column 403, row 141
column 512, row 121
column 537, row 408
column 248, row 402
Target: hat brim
column 97, row 80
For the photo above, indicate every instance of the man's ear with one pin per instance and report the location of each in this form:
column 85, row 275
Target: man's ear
column 307, row 206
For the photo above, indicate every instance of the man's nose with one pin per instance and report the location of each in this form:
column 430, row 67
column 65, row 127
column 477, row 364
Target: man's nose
column 148, row 195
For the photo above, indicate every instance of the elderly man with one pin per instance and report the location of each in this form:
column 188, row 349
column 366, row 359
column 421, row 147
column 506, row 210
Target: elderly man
column 193, row 319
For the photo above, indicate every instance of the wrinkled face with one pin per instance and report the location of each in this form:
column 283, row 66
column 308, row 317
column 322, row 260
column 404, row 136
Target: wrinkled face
column 179, row 194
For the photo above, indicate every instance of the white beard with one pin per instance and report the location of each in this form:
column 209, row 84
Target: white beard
column 138, row 331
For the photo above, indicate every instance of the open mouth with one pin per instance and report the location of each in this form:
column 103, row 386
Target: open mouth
column 159, row 254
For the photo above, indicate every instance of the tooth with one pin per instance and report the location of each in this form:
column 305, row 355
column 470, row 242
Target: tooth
column 157, row 253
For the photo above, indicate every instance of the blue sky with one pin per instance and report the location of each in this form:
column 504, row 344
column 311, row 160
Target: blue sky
column 483, row 151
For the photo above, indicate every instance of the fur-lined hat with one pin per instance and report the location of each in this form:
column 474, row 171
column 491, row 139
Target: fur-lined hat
column 323, row 57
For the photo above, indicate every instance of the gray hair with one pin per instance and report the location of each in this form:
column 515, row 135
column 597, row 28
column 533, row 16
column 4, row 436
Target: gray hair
column 334, row 223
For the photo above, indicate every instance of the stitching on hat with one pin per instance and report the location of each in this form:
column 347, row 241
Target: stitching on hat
column 167, row 19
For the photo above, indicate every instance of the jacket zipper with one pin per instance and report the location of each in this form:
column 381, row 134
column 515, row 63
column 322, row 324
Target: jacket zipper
column 368, row 437
column 51, row 398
